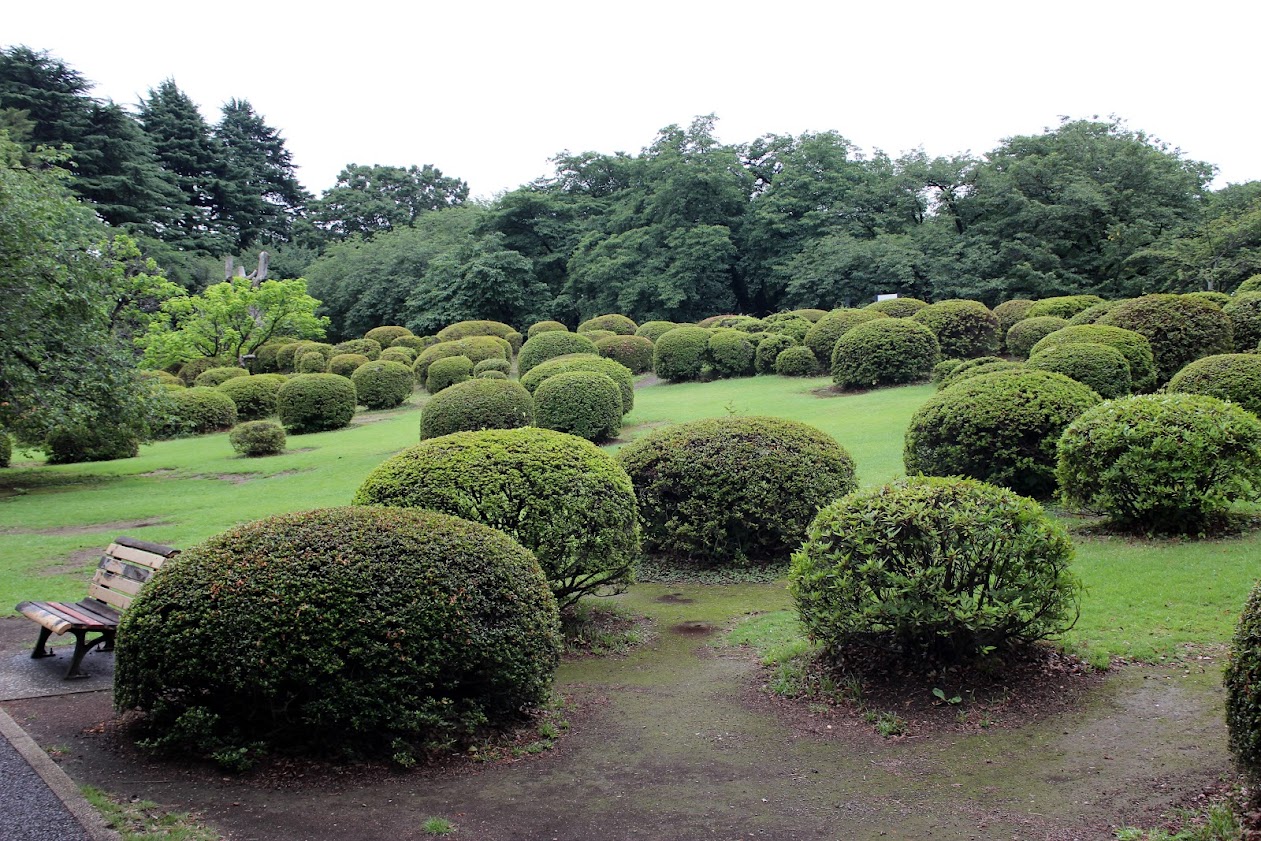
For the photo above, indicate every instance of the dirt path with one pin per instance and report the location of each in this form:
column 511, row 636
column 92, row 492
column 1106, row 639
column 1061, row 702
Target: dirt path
column 672, row 743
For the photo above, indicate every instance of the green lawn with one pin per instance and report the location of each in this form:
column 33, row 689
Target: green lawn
column 1145, row 599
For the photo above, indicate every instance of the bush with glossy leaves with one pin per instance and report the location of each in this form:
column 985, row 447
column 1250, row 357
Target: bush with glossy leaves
column 1100, row 367
column 255, row 395
column 257, row 438
column 448, row 371
column 1024, row 334
column 635, row 352
column 797, row 362
column 383, row 385
column 964, row 329
column 316, row 403
column 887, row 351
column 549, row 345
column 1234, row 377
column 1179, row 329
column 612, row 369
column 679, row 355
column 479, row 403
column 1135, row 348
column 582, row 403
column 822, row 336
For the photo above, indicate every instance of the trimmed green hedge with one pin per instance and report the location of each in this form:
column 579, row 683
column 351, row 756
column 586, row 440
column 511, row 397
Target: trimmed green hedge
column 346, row 631
column 387, row 335
column 316, row 403
column 383, row 385
column 734, row 490
column 562, row 497
column 635, row 352
column 255, row 395
column 1100, row 367
column 897, row 307
column 768, row 350
column 1134, row 347
column 550, row 345
column 797, row 362
column 212, row 377
column 612, row 369
column 730, row 353
column 344, row 364
column 1235, row 377
column 448, row 371
column 370, row 348
column 1251, row 284
column 197, row 411
column 257, row 438
column 679, row 355
column 614, row 323
column 545, row 327
column 822, row 336
column 402, row 354
column 964, row 329
column 479, row 403
column 1243, row 689
column 582, row 403
column 886, row 351
column 312, row 362
column 788, row 324
column 1179, row 329
column 1026, row 333
column 502, row 365
column 1011, row 312
column 431, row 354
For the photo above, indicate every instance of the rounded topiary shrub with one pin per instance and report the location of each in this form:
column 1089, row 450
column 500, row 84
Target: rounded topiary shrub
column 943, row 570
column 974, row 368
column 614, row 323
column 431, row 354
column 897, row 307
column 788, row 324
column 447, row 372
column 1093, row 314
column 1221, row 299
column 1252, row 284
column 258, row 438
column 597, row 335
column 1099, row 367
column 344, row 631
column 344, row 364
column 1244, row 309
column 1179, row 329
column 1243, row 691
column 797, row 362
column 734, row 490
column 679, row 355
column 191, row 370
column 560, row 496
column 768, row 350
column 1162, row 462
column 287, row 355
column 312, row 362
column 811, row 314
column 479, row 403
column 1000, row 428
column 490, row 375
column 481, row 327
column 549, row 345
column 405, row 355
column 316, row 402
column 212, row 377
column 1024, row 334
column 199, row 410
column 162, row 378
column 264, row 361
column 964, row 329
column 387, row 334
column 615, row 371
column 545, row 327
column 479, row 348
column 822, row 336
column 255, row 395
column 730, row 353
column 1062, row 306
column 1235, row 377
column 635, row 352
column 582, row 403
column 886, row 351
column 1135, row 348
column 383, row 385
column 1011, row 312
column 502, row 365
column 370, row 348
column 416, row 343
column 734, row 322
column 943, row 369
column 653, row 330
column 73, row 445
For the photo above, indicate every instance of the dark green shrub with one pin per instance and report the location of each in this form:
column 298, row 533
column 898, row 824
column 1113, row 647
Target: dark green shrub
column 191, row 370
column 479, row 403
column 545, row 327
column 549, row 345
column 1023, row 335
column 312, row 362
column 1063, row 306
column 1093, row 314
column 938, row 570
column 1000, row 428
column 345, row 631
column 212, row 377
column 416, row 343
column 787, row 324
column 753, row 325
column 734, row 489
column 1252, row 284
column 943, row 369
column 257, row 438
column 344, row 364
column 597, row 335
column 6, row 449
column 797, row 362
column 447, row 372
column 100, row 443
column 612, row 369
column 1100, row 367
column 615, row 323
column 478, row 348
column 197, row 411
column 1243, row 691
column 1162, row 462
column 635, row 352
column 1221, row 299
column 560, row 496
column 678, row 355
column 886, row 351
column 323, row 348
column 1234, row 377
column 1179, row 329
column 163, row 378
column 315, row 403
column 491, row 374
column 653, row 330
column 287, row 356
column 730, row 353
column 582, row 403
column 255, row 395
column 810, row 314
column 1011, row 312
column 383, row 385
column 404, row 355
column 431, row 354
column 264, row 361
column 479, row 327
column 975, row 367
column 734, row 322
column 1135, row 348
column 964, row 329
column 492, row 365
column 897, row 307
column 822, row 336
column 1244, row 309
column 386, row 336
column 370, row 348
column 768, row 350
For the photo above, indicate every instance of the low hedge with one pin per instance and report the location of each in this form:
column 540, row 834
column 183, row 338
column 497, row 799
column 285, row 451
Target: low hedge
column 1179, row 329
column 635, row 352
column 344, row 364
column 964, row 329
column 582, row 403
column 1062, row 306
column 1134, row 347
column 197, row 411
column 822, row 336
column 1100, row 367
column 370, row 348
column 255, row 395
column 730, row 353
column 550, row 345
column 479, row 403
column 387, row 335
column 797, row 362
column 768, row 350
column 614, row 323
column 897, row 307
column 383, row 385
column 316, row 403
column 1023, row 335
column 612, row 369
column 1234, row 377
column 213, row 377
column 257, row 438
column 680, row 354
column 448, row 371
column 887, row 351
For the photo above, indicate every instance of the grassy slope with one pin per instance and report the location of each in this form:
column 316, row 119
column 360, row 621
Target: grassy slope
column 1145, row 598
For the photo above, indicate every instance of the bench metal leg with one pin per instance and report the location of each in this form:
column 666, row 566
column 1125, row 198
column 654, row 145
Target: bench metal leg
column 82, row 645
column 41, row 648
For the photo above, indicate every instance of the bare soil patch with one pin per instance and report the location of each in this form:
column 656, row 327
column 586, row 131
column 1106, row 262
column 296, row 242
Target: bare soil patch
column 95, row 528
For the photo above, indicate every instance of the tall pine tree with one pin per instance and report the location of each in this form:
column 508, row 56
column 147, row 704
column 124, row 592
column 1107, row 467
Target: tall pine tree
column 262, row 193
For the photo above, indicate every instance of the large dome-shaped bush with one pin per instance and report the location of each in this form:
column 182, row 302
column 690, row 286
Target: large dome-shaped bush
column 560, row 496
column 431, row 354
column 345, row 631
column 653, row 330
column 1026, row 333
column 734, row 489
column 822, row 336
column 886, row 351
column 316, row 402
column 897, row 307
column 370, row 348
column 550, row 345
column 635, row 352
column 940, row 569
column 963, row 328
column 213, row 377
column 446, row 372
column 1243, row 691
column 768, row 350
column 383, row 385
column 344, row 364
column 1062, row 306
column 255, row 395
column 1179, row 329
column 1100, row 367
column 1235, row 377
column 1161, row 462
column 198, row 410
column 679, row 355
column 479, row 403
column 1011, row 312
column 481, row 327
column 582, row 403
column 1134, row 347
column 730, row 352
column 612, row 369
column 613, row 322
column 1000, row 428
column 1244, row 310
column 387, row 334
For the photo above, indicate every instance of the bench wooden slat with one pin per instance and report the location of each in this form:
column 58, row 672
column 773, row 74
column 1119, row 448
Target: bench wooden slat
column 60, row 617
column 118, row 583
column 136, row 556
column 39, row 612
column 138, row 574
column 156, row 548
column 104, row 613
column 120, row 601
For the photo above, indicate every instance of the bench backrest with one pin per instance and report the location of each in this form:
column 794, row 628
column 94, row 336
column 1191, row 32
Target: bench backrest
column 124, row 568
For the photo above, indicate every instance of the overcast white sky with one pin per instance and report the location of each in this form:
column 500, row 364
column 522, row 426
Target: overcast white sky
column 488, row 92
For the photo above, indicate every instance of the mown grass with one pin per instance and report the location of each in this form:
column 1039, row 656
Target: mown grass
column 1145, row 599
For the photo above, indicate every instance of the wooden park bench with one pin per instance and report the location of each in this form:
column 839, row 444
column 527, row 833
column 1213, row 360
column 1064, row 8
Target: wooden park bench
column 124, row 568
